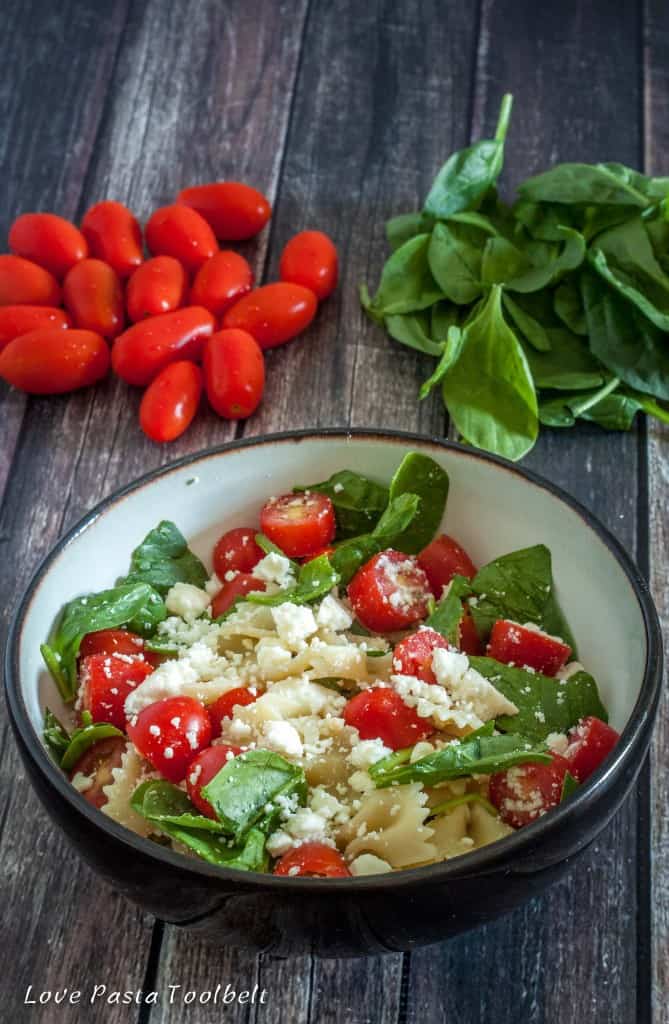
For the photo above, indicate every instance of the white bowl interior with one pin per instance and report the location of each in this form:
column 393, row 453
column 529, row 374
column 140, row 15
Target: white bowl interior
column 491, row 510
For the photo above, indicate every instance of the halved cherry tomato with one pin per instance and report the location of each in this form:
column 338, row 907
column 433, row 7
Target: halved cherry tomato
column 522, row 793
column 313, row 860
column 443, row 559
column 221, row 281
column 237, row 550
column 180, row 232
column 158, row 286
column 235, row 211
column 380, row 713
column 143, row 350
column 17, row 320
column 111, row 641
column 97, row 763
column 202, row 770
column 222, row 708
column 234, row 373
column 106, row 680
column 170, row 733
column 413, row 655
column 51, row 241
column 512, row 643
column 310, row 259
column 50, row 361
column 470, row 641
column 274, row 313
column 113, row 235
column 170, row 402
column 389, row 592
column 24, row 282
column 93, row 295
column 589, row 743
column 299, row 524
column 327, row 550
column 240, row 586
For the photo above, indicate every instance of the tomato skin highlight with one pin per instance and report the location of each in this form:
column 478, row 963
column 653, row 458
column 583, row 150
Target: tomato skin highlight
column 184, row 729
column 202, row 770
column 413, row 655
column 380, row 713
column 590, row 742
column 113, row 235
column 389, row 592
column 224, row 706
column 48, row 240
column 106, row 681
column 143, row 350
column 51, row 361
column 180, row 232
column 234, row 373
column 511, row 642
column 171, row 400
column 98, row 762
column 310, row 259
column 158, row 286
column 312, row 860
column 111, row 641
column 23, row 282
column 442, row 559
column 237, row 551
column 221, row 281
column 93, row 296
column 243, row 583
column 234, row 211
column 299, row 524
column 17, row 320
column 274, row 313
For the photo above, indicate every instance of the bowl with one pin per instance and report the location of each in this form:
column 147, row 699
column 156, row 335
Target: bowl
column 493, row 508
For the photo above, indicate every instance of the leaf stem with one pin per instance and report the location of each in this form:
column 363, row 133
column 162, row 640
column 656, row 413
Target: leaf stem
column 504, row 117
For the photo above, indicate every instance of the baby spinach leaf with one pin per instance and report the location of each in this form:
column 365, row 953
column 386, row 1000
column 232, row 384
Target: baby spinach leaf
column 55, row 735
column 617, row 410
column 84, row 737
column 443, row 316
column 448, row 358
column 502, row 261
column 163, row 559
column 546, row 221
column 162, row 802
column 420, row 475
column 448, row 612
column 411, row 329
column 405, row 226
column 550, row 268
column 358, row 501
column 609, row 183
column 315, row 579
column 568, row 366
column 406, row 282
column 351, row 554
column 530, row 328
column 568, row 303
column 564, row 410
column 569, row 786
column 624, row 258
column 454, row 256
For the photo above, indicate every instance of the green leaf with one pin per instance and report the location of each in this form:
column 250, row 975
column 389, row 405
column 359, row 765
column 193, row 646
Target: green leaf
column 406, row 226
column 351, row 554
column 406, row 282
column 454, row 255
column 448, row 358
column 610, row 184
column 568, row 303
column 83, row 738
column 565, row 409
column 162, row 802
column 467, row 798
column 448, row 612
column 569, row 786
column 549, row 269
column 569, row 366
column 163, row 559
column 410, row 329
column 56, row 736
column 624, row 257
column 358, row 501
column 530, row 328
column 502, row 261
column 443, row 316
column 315, row 579
column 420, row 475
column 617, row 410
column 546, row 221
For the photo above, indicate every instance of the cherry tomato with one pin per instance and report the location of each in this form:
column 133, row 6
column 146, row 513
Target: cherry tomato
column 299, row 524
column 470, row 641
column 235, row 211
column 113, row 235
column 93, row 296
column 234, row 373
column 240, row 586
column 225, row 705
column 274, row 313
column 171, row 400
column 237, row 550
column 522, row 793
column 106, row 681
column 52, row 242
column 313, row 860
column 111, row 641
column 50, row 361
column 202, row 770
column 443, row 559
column 221, row 281
column 589, row 743
column 380, row 713
column 389, row 592
column 158, row 286
column 23, row 282
column 413, row 655
column 520, row 645
column 97, row 763
column 170, row 733
column 17, row 320
column 180, row 232
column 327, row 550
column 310, row 259
column 143, row 350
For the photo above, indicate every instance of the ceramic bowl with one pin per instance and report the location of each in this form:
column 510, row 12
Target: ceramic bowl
column 493, row 507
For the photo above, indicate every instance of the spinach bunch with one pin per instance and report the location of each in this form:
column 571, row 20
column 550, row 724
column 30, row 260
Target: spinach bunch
column 545, row 312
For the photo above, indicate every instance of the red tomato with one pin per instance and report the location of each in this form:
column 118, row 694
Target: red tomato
column 590, row 742
column 443, row 559
column 389, row 592
column 327, row 550
column 224, row 706
column 170, row 402
column 170, row 733
column 111, row 641
column 240, row 586
column 221, row 281
column 523, row 793
column 470, row 641
column 202, row 770
column 310, row 259
column 17, row 320
column 22, row 282
column 380, row 713
column 237, row 550
column 235, row 211
column 93, row 296
column 98, row 762
column 313, row 860
column 513, row 643
column 106, row 681
column 52, row 242
column 180, row 232
column 274, row 313
column 143, row 350
column 299, row 524
column 413, row 655
column 50, row 361
column 158, row 286
column 113, row 235
column 234, row 373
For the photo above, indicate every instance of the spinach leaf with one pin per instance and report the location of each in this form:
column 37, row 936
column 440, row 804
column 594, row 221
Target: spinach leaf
column 546, row 221
column 448, row 358
column 568, row 303
column 570, row 183
column 163, row 559
column 315, row 579
column 55, row 735
column 163, row 802
column 351, row 554
column 406, row 226
column 448, row 612
column 443, row 316
column 569, row 366
column 617, row 410
column 530, row 328
column 624, row 258
column 502, row 261
column 358, row 501
column 550, row 268
column 569, row 786
column 411, row 329
column 406, row 282
column 454, row 256
column 564, row 410
column 84, row 737
column 420, row 475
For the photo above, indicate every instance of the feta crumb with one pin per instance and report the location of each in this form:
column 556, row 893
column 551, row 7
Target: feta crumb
column 294, row 623
column 569, row 670
column 82, row 782
column 333, row 615
column 275, row 568
column 557, row 742
column 283, row 738
column 168, row 753
column 368, row 752
column 186, row 600
column 369, row 864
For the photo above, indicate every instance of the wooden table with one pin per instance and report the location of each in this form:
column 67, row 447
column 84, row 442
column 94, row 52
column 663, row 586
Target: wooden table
column 341, row 111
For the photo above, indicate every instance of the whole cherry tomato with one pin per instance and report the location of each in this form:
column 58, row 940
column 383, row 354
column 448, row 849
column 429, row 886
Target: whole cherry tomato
column 50, row 361
column 242, row 584
column 141, row 352
column 16, row 320
column 158, row 286
column 170, row 401
column 180, row 232
column 274, row 313
column 237, row 551
column 202, row 770
column 312, row 860
column 389, row 592
column 234, row 373
column 51, row 241
column 24, row 282
column 299, row 524
column 221, row 281
column 113, row 235
column 224, row 707
column 235, row 211
column 93, row 295
column 310, row 259
column 170, row 733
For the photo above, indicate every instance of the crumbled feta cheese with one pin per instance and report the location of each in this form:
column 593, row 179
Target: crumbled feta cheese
column 294, row 623
column 569, row 670
column 421, row 749
column 274, row 568
column 469, row 689
column 186, row 600
column 333, row 615
column 361, row 782
column 368, row 752
column 283, row 738
column 82, row 782
column 213, row 585
column 279, row 843
column 369, row 864
column 273, row 658
column 306, row 824
column 557, row 742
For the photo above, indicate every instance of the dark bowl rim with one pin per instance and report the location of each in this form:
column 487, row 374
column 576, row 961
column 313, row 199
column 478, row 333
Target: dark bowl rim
column 485, row 859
